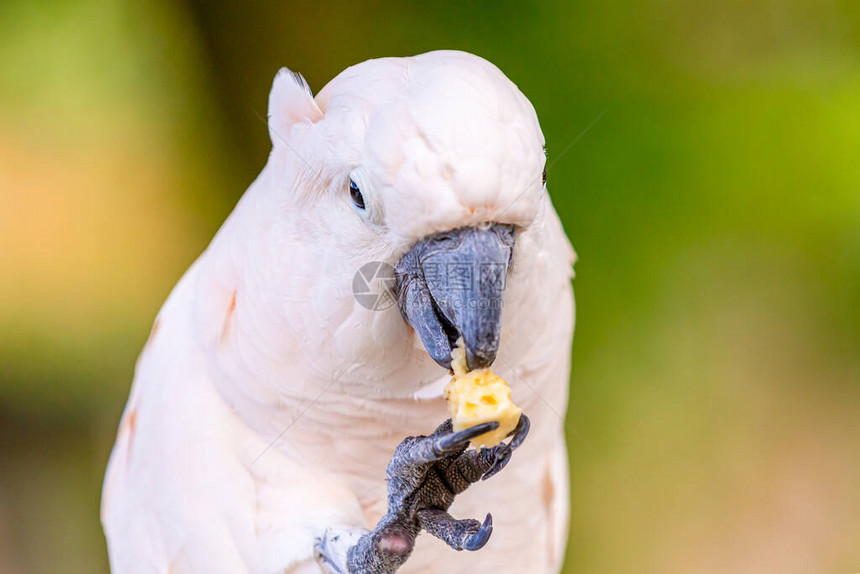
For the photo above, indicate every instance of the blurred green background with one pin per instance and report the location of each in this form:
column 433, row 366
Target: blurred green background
column 715, row 208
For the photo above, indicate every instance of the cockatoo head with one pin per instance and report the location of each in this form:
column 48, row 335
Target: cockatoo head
column 434, row 163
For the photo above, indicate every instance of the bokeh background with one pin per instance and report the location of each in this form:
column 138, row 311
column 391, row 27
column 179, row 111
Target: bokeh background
column 715, row 206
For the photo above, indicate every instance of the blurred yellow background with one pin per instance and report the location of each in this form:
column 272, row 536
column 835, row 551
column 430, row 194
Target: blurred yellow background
column 715, row 207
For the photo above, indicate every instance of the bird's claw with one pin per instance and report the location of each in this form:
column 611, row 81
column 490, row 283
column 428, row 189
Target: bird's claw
column 424, row 476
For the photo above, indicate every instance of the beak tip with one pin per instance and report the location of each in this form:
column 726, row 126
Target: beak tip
column 444, row 363
column 478, row 359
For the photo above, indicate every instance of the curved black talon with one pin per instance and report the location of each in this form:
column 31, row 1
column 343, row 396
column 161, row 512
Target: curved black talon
column 520, row 432
column 477, row 540
column 459, row 439
column 503, row 455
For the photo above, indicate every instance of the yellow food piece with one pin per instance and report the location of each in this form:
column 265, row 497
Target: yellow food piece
column 477, row 397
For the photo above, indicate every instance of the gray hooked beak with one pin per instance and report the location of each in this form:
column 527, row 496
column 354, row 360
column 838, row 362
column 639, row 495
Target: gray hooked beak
column 450, row 284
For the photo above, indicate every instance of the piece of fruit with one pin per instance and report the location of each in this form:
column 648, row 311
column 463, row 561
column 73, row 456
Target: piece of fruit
column 479, row 396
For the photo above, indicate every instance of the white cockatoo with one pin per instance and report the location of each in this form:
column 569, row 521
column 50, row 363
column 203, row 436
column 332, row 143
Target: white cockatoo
column 267, row 404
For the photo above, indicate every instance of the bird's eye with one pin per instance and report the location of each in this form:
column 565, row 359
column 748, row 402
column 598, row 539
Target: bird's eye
column 543, row 176
column 355, row 195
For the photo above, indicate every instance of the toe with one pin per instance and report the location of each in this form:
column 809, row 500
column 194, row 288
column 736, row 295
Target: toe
column 396, row 543
column 465, row 534
column 503, row 452
column 503, row 456
column 382, row 551
column 458, row 440
column 421, row 450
